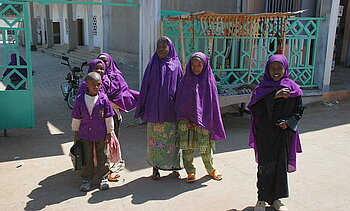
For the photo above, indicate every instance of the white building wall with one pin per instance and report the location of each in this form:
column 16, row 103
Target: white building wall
column 97, row 11
column 54, row 14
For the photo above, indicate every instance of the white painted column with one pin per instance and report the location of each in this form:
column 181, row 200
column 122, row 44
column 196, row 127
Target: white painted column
column 106, row 23
column 33, row 27
column 149, row 32
column 62, row 22
column 325, row 46
column 49, row 27
column 72, row 29
column 90, row 16
column 42, row 23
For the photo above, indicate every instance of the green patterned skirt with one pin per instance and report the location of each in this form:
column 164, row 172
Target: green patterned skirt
column 195, row 138
column 162, row 151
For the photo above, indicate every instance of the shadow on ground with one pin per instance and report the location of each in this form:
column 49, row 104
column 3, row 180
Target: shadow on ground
column 145, row 189
column 252, row 209
column 54, row 190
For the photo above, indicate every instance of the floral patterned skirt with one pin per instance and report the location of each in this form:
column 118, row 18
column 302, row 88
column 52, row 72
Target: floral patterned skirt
column 162, row 152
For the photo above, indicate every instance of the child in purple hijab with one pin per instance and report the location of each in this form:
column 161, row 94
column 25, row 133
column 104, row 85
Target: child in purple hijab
column 15, row 78
column 122, row 99
column 156, row 107
column 198, row 111
column 97, row 65
column 276, row 107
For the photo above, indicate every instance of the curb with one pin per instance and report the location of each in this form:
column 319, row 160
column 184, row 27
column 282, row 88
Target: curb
column 336, row 95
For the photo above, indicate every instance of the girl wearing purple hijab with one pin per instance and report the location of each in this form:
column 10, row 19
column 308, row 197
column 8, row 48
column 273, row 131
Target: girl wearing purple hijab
column 156, row 107
column 197, row 109
column 15, row 78
column 97, row 65
column 122, row 99
column 276, row 107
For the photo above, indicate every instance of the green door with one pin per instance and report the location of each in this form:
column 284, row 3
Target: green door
column 16, row 90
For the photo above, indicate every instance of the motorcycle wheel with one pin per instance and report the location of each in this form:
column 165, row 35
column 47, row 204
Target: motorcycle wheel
column 71, row 98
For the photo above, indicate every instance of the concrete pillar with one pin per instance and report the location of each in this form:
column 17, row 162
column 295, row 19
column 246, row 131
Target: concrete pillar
column 33, row 25
column 42, row 24
column 149, row 32
column 62, row 22
column 49, row 27
column 72, row 29
column 106, row 23
column 90, row 28
column 325, row 45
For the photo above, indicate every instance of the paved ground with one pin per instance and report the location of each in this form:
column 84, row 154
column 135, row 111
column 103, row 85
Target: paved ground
column 45, row 179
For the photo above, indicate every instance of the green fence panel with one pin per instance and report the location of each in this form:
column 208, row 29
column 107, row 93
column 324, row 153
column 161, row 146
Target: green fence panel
column 233, row 57
column 16, row 93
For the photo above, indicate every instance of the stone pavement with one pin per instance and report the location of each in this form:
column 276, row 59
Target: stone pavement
column 37, row 173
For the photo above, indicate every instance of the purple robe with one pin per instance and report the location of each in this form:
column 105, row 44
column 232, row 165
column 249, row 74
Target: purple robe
column 119, row 92
column 197, row 99
column 266, row 87
column 92, row 128
column 13, row 62
column 157, row 94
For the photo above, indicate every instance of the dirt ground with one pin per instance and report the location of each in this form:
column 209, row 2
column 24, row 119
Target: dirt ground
column 36, row 171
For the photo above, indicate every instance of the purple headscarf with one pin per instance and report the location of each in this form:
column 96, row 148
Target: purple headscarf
column 13, row 62
column 106, row 83
column 112, row 69
column 157, row 94
column 267, row 86
column 197, row 99
column 119, row 93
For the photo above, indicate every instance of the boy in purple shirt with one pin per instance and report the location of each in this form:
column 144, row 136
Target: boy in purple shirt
column 93, row 123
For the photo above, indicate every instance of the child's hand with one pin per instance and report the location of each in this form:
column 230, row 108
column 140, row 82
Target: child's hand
column 188, row 123
column 284, row 92
column 282, row 124
column 108, row 138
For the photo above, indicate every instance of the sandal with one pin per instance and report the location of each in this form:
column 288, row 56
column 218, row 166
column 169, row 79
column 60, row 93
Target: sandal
column 156, row 174
column 216, row 175
column 113, row 177
column 191, row 177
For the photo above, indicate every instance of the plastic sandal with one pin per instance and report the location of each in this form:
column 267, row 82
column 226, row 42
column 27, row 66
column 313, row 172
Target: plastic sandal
column 191, row 177
column 113, row 177
column 216, row 175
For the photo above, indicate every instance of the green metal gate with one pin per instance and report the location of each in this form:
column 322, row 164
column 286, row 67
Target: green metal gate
column 241, row 59
column 16, row 106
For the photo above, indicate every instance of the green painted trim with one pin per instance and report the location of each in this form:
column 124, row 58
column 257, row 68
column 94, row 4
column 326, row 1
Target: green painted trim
column 82, row 2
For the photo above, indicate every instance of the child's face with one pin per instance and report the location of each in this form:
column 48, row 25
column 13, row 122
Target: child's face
column 105, row 60
column 196, row 66
column 276, row 71
column 99, row 69
column 93, row 86
column 162, row 49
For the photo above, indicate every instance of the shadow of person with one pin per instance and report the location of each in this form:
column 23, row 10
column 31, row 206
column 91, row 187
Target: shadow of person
column 145, row 189
column 252, row 209
column 55, row 189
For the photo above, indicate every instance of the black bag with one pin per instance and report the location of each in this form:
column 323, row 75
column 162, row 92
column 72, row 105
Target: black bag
column 77, row 155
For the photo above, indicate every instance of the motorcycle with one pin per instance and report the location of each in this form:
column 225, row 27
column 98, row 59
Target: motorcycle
column 70, row 87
